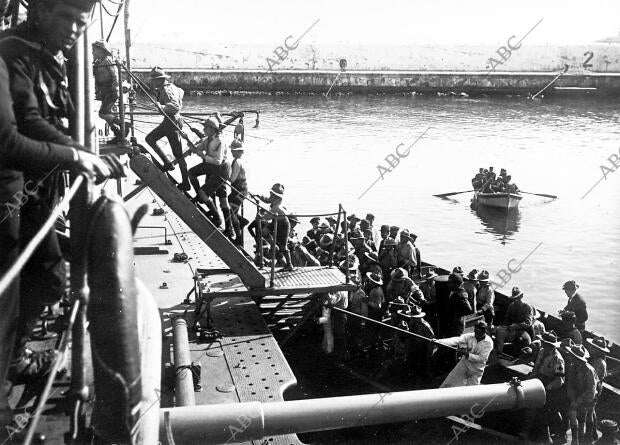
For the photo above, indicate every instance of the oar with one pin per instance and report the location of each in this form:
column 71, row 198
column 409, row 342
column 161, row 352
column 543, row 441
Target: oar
column 443, row 195
column 539, row 194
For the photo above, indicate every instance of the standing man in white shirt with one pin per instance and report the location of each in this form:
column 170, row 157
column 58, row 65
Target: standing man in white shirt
column 476, row 348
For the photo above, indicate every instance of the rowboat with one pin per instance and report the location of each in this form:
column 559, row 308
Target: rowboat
column 497, row 200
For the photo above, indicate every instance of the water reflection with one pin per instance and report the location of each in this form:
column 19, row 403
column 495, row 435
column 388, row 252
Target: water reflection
column 501, row 223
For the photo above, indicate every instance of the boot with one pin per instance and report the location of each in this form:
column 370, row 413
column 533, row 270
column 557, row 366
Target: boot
column 117, row 135
column 227, row 222
column 236, row 228
column 213, row 213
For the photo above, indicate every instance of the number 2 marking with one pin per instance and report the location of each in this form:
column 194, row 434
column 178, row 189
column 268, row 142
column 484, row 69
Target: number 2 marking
column 586, row 63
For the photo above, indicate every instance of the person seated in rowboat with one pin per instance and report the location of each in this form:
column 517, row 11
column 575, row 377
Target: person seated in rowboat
column 478, row 180
column 499, row 185
column 517, row 323
column 488, row 186
column 502, row 173
column 402, row 286
column 470, row 284
column 369, row 242
column 549, row 368
column 356, row 327
column 485, row 298
column 576, row 303
column 598, row 349
column 314, row 233
column 538, row 327
column 568, row 329
column 394, row 232
column 332, row 223
column 376, row 296
column 458, row 306
column 510, row 187
column 406, row 252
column 370, row 263
column 490, row 174
column 359, row 244
column 475, row 349
column 353, row 220
column 300, row 256
column 384, row 232
column 421, row 351
column 388, row 259
column 581, row 386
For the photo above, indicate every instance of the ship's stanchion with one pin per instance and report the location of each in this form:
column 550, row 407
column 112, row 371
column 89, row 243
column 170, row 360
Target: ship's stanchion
column 184, row 381
column 273, row 251
column 259, row 239
column 347, row 273
column 333, row 248
column 248, row 421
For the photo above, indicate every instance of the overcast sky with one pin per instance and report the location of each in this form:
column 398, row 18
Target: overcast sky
column 387, row 21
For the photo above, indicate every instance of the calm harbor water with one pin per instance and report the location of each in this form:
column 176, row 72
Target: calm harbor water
column 327, row 152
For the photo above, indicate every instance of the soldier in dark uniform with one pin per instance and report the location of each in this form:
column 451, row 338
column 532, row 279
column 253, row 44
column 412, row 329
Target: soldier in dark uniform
column 34, row 100
column 314, row 233
column 106, row 86
column 170, row 100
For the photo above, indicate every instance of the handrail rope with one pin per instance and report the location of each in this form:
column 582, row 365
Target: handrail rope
column 385, row 325
column 45, row 394
column 36, row 240
column 111, row 14
column 118, row 13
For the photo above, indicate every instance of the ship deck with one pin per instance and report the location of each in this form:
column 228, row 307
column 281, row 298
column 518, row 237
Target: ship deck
column 245, row 363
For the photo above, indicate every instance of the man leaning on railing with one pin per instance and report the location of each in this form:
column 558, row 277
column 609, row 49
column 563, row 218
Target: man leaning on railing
column 36, row 102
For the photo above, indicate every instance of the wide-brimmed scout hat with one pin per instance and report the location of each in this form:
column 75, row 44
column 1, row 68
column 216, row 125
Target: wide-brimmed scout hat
column 389, row 241
column 599, row 343
column 550, row 338
column 103, row 45
column 397, row 304
column 609, row 426
column 236, row 145
column 413, row 311
column 375, row 278
column 483, row 276
column 472, row 275
column 399, row 274
column 372, row 257
column 516, row 293
column 430, row 274
column 579, row 352
column 356, row 235
column 326, row 240
column 277, row 189
column 158, row 73
column 211, row 122
column 570, row 285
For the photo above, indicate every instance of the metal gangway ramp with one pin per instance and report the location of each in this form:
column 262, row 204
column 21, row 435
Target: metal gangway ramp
column 165, row 188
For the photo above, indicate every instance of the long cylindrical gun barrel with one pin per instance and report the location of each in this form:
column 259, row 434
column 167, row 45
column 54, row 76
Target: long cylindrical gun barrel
column 241, row 422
